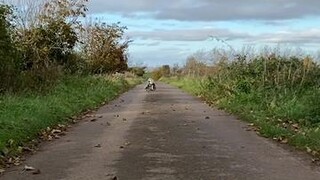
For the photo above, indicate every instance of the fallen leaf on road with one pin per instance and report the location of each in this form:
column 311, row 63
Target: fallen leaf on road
column 93, row 120
column 316, row 161
column 62, row 126
column 49, row 138
column 255, row 129
column 309, row 150
column 98, row 146
column 28, row 168
column 87, row 116
column 14, row 160
column 55, row 131
column 27, row 149
column 284, row 141
column 315, row 153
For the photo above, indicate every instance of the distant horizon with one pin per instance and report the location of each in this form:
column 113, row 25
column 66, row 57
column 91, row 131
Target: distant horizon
column 282, row 50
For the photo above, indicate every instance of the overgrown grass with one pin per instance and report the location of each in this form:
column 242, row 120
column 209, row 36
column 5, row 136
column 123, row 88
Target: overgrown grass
column 22, row 117
column 190, row 85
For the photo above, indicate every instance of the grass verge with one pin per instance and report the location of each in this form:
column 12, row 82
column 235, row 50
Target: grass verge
column 23, row 117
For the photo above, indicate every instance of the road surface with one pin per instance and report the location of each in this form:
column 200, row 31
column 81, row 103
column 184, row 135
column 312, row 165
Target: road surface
column 163, row 135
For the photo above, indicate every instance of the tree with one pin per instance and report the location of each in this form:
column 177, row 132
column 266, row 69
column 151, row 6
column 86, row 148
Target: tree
column 9, row 58
column 53, row 36
column 104, row 48
column 165, row 70
column 194, row 67
column 138, row 71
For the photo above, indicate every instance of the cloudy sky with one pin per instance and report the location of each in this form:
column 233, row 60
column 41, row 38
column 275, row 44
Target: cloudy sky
column 167, row 31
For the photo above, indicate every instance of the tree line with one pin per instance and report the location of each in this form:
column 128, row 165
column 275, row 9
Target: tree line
column 40, row 42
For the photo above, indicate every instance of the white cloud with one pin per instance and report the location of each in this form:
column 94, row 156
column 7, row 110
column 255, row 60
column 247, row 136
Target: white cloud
column 186, row 34
column 295, row 37
column 308, row 36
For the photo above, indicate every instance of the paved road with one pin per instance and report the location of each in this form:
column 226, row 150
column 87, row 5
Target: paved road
column 164, row 135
